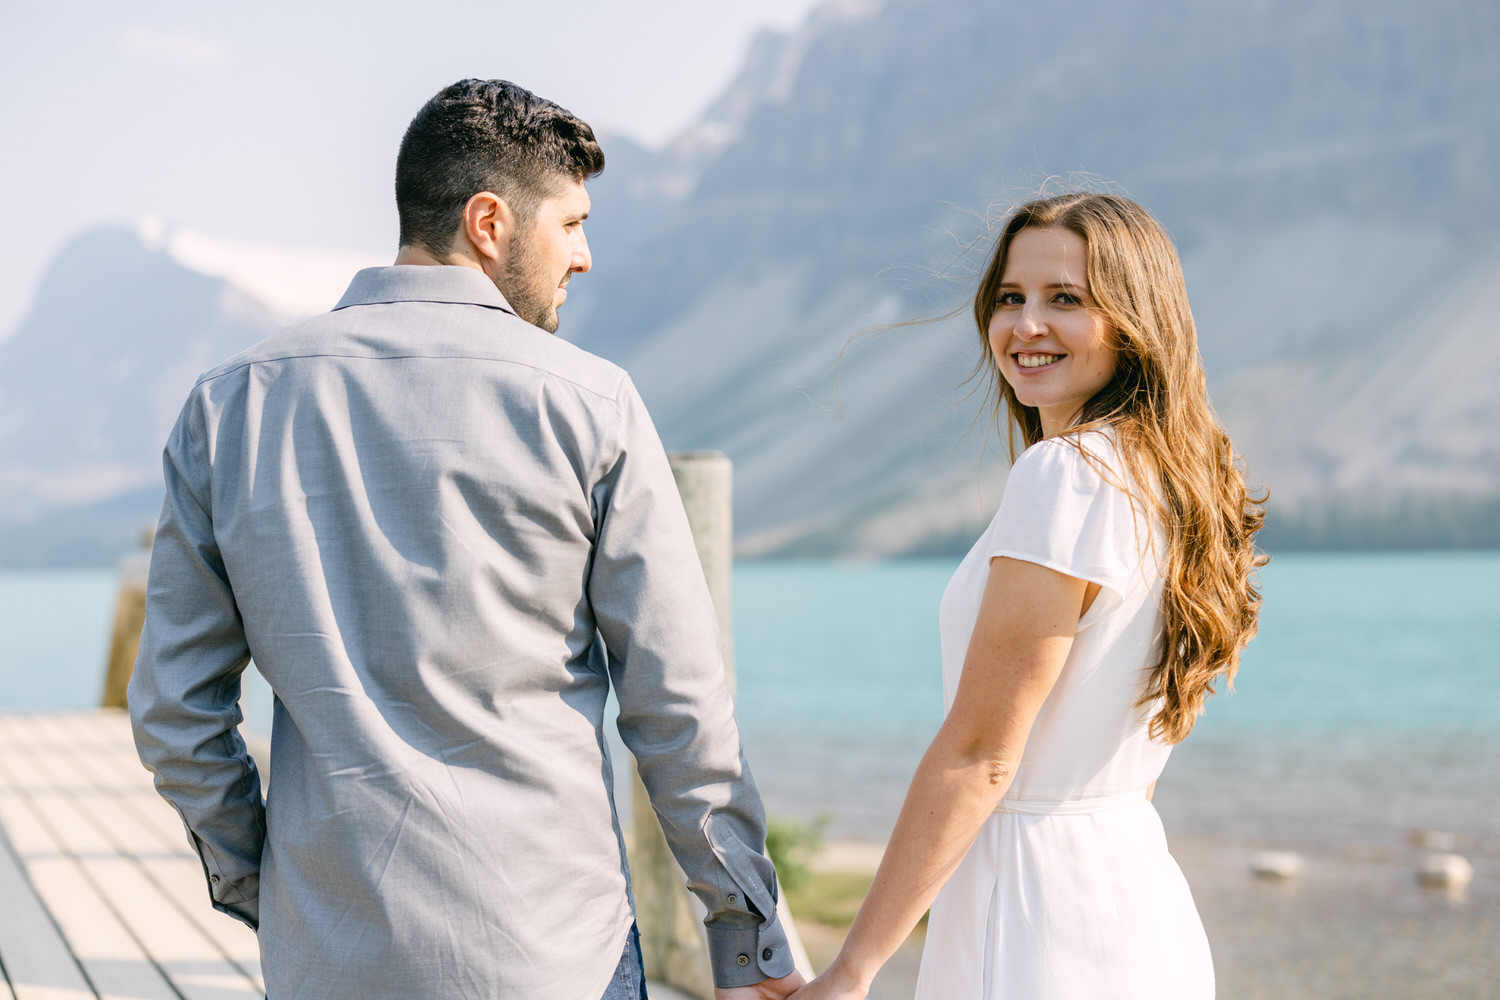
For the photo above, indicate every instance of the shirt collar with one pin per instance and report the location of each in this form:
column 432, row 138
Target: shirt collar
column 423, row 283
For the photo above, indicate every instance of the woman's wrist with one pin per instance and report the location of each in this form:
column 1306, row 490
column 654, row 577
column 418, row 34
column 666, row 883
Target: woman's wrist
column 846, row 975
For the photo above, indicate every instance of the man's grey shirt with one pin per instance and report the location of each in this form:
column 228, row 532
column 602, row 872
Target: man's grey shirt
column 442, row 534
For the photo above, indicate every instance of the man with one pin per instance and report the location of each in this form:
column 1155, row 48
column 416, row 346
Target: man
column 442, row 534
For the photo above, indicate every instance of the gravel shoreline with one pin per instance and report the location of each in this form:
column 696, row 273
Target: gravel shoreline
column 1354, row 925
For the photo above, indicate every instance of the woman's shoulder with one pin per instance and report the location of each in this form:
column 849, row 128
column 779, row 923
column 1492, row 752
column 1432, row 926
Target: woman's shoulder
column 1086, row 461
column 1065, row 507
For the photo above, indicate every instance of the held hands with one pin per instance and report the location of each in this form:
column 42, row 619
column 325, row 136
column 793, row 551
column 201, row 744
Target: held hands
column 766, row 989
column 834, row 984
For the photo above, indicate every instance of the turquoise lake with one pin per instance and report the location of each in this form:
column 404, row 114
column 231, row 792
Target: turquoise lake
column 1371, row 694
column 1347, row 642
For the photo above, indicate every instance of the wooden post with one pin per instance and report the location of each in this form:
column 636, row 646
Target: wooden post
column 706, row 481
column 674, row 944
column 130, row 615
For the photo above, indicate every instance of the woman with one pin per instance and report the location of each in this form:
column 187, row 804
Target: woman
column 1081, row 635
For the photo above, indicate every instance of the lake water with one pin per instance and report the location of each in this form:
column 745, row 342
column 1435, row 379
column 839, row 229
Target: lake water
column 1369, row 703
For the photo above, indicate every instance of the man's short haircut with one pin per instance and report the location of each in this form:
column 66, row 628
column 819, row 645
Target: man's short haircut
column 486, row 135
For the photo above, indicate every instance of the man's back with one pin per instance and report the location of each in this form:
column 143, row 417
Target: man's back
column 420, row 510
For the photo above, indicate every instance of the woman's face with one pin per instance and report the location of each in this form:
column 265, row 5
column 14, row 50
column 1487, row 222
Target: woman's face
column 1049, row 341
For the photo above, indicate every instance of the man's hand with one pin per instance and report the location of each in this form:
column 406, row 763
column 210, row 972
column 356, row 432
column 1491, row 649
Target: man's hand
column 766, row 989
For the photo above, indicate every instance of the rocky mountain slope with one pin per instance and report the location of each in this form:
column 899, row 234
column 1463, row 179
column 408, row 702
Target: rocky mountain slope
column 90, row 383
column 1330, row 170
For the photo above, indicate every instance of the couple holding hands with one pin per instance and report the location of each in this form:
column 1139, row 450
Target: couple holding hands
column 444, row 535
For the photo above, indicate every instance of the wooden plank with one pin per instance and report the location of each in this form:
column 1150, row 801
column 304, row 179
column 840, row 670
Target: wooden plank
column 60, row 756
column 176, row 872
column 109, row 860
column 111, row 764
column 159, row 848
column 66, row 830
column 127, row 930
column 182, row 881
column 37, row 959
column 99, row 942
column 106, row 728
column 190, row 960
column 99, row 737
column 106, row 772
column 102, row 944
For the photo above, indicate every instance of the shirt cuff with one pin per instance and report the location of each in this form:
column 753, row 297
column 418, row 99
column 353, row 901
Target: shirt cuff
column 240, row 898
column 743, row 956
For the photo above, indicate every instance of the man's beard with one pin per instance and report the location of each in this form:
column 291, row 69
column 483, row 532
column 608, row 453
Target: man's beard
column 526, row 285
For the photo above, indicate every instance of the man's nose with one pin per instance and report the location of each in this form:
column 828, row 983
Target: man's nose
column 582, row 259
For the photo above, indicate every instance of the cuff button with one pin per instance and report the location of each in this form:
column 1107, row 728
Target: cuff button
column 733, row 899
column 766, row 955
column 743, row 960
column 213, row 880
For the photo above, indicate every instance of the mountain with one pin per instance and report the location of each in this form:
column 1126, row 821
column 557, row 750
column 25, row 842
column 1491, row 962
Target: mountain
column 788, row 281
column 123, row 322
column 1327, row 168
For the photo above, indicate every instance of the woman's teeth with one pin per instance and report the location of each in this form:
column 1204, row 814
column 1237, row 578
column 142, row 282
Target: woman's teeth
column 1036, row 360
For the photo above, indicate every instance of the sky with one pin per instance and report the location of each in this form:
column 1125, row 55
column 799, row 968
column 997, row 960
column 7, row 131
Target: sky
column 278, row 122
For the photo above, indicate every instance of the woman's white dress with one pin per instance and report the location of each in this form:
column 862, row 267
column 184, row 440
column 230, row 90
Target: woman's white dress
column 1069, row 892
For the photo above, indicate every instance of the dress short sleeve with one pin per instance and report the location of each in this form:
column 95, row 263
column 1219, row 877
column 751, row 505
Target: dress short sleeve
column 1059, row 511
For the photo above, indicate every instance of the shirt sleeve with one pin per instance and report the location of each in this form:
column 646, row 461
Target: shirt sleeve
column 184, row 693
column 1061, row 511
column 653, row 610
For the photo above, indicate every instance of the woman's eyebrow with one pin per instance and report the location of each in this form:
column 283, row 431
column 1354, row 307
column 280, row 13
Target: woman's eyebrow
column 1066, row 286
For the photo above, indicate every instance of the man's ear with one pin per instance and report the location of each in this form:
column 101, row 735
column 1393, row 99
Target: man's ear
column 488, row 227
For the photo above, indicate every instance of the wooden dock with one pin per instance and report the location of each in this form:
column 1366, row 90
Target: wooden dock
column 99, row 894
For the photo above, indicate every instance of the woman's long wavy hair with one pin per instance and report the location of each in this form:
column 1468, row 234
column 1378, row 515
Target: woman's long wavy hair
column 1157, row 403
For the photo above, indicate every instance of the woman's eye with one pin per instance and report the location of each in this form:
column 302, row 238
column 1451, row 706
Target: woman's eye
column 1011, row 299
column 1069, row 299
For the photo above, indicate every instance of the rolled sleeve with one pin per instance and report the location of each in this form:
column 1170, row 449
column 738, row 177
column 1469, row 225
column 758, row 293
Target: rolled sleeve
column 744, row 955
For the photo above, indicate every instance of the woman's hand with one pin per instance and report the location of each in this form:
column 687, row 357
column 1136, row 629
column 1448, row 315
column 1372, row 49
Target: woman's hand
column 834, row 984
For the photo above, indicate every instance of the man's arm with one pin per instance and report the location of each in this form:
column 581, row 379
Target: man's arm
column 184, row 694
column 652, row 608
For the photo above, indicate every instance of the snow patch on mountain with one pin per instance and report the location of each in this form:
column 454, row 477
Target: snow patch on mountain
column 294, row 281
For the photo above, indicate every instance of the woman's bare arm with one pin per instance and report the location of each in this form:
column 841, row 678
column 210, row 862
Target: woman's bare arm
column 1026, row 624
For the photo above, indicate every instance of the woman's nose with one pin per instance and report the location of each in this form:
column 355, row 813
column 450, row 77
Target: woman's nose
column 1030, row 324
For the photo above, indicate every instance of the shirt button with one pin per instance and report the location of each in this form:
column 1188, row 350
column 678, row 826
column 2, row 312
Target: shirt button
column 213, row 880
column 743, row 960
column 733, row 899
column 766, row 955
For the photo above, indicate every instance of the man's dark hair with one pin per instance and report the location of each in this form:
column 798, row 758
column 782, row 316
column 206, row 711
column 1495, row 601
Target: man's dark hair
column 486, row 135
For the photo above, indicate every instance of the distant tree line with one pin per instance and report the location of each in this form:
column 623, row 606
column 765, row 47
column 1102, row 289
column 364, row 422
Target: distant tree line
column 98, row 536
column 1410, row 522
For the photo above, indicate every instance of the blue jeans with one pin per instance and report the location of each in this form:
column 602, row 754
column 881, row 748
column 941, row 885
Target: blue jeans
column 630, row 975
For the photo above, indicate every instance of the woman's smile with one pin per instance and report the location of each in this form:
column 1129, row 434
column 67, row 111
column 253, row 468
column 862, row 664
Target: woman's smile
column 1036, row 360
